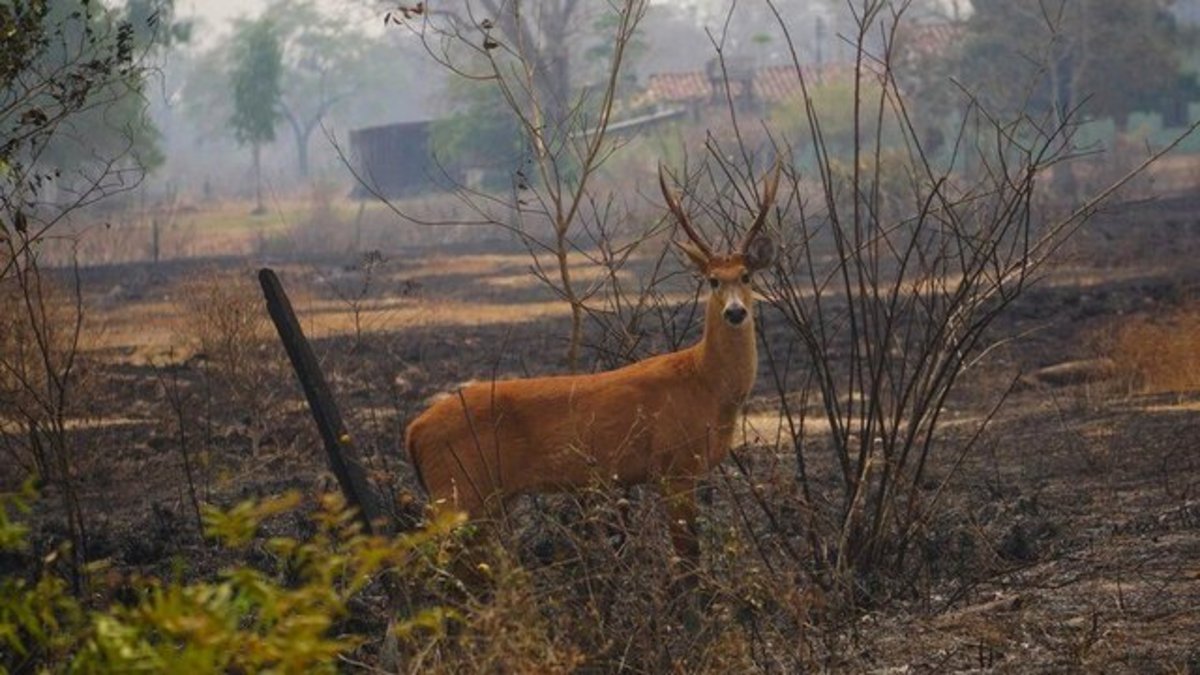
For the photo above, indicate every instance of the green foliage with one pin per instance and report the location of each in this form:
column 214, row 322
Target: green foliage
column 249, row 620
column 481, row 132
column 73, row 73
column 13, row 533
column 1113, row 56
column 154, row 23
column 327, row 63
column 21, row 28
column 255, row 79
column 833, row 105
column 34, row 617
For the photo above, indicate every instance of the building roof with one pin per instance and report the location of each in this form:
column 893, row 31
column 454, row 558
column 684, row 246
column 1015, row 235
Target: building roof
column 770, row 83
column 678, row 87
column 932, row 39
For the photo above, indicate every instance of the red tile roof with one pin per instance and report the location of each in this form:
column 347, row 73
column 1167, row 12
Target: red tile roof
column 678, row 87
column 771, row 84
column 932, row 39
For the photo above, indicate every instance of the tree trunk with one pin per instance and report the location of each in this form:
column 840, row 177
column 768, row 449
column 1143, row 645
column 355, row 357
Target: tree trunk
column 301, row 133
column 302, row 152
column 258, row 200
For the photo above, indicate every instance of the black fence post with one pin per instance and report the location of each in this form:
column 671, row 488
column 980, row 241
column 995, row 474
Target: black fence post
column 343, row 456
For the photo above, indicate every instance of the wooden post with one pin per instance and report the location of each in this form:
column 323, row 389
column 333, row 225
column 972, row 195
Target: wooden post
column 343, row 456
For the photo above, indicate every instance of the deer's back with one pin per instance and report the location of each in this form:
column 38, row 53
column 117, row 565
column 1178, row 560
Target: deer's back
column 560, row 432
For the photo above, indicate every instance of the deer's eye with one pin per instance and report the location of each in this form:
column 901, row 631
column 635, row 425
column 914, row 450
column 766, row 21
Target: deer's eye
column 745, row 277
column 714, row 282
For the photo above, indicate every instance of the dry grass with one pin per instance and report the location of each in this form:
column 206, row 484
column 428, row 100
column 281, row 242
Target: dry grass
column 223, row 316
column 1160, row 353
column 584, row 581
column 148, row 328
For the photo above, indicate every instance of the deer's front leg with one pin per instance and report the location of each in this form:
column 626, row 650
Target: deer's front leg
column 680, row 497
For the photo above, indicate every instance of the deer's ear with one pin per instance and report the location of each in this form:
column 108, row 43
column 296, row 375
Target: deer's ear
column 760, row 253
column 699, row 258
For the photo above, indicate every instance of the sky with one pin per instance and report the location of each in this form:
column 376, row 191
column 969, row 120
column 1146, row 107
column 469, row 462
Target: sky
column 219, row 12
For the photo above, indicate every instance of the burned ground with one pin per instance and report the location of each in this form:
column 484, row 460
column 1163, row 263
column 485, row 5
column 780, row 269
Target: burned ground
column 1069, row 537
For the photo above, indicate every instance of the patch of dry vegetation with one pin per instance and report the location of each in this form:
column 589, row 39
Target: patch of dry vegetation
column 223, row 315
column 1160, row 353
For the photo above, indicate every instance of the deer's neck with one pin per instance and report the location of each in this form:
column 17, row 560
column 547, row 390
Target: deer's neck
column 728, row 357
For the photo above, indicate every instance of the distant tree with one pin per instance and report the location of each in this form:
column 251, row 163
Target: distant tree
column 599, row 54
column 480, row 131
column 749, row 31
column 204, row 98
column 537, row 39
column 665, row 27
column 257, row 69
column 1114, row 57
column 553, row 58
column 324, row 62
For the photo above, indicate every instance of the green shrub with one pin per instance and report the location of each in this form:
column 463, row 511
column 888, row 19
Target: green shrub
column 248, row 620
column 37, row 618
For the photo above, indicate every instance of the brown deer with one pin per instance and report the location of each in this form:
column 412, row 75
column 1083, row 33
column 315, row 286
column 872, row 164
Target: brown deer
column 667, row 419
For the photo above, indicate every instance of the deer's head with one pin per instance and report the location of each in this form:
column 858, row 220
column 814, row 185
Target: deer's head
column 729, row 275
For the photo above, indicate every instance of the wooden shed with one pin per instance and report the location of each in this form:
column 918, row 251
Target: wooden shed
column 395, row 160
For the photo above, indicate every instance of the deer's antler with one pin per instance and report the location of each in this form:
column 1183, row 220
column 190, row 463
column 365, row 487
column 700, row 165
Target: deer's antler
column 768, row 199
column 684, row 222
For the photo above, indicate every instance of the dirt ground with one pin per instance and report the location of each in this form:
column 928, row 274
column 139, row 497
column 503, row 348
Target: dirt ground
column 1089, row 491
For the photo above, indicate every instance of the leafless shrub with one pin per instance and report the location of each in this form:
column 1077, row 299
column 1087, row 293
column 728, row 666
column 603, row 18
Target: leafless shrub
column 524, row 55
column 355, row 289
column 223, row 317
column 503, row 631
column 894, row 273
column 42, row 384
column 182, row 402
column 61, row 65
column 602, row 567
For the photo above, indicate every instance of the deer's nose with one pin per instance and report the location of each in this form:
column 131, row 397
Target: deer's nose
column 735, row 315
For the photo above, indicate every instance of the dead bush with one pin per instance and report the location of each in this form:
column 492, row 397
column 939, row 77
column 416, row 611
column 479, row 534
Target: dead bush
column 223, row 317
column 324, row 230
column 37, row 344
column 504, row 631
column 1159, row 353
column 44, row 387
column 602, row 565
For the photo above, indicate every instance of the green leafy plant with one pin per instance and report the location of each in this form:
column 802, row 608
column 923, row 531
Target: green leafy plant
column 252, row 620
column 281, row 619
column 36, row 617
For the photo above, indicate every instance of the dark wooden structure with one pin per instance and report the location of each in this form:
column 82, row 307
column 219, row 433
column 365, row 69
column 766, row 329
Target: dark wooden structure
column 394, row 160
